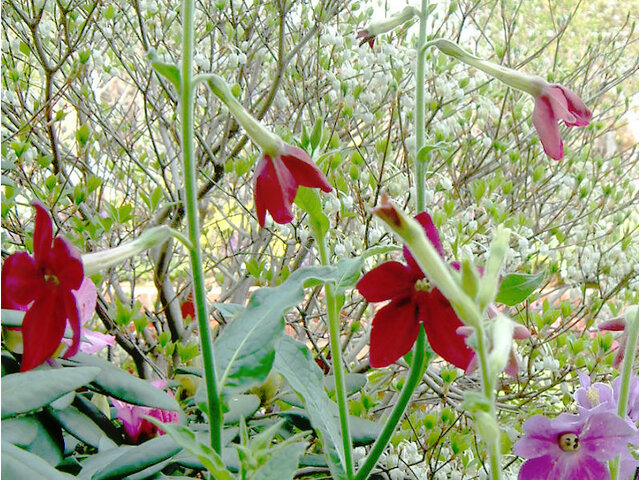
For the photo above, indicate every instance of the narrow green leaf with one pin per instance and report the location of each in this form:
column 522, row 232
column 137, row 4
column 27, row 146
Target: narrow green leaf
column 29, row 391
column 139, row 458
column 124, row 386
column 316, row 134
column 81, row 426
column 516, row 287
column 168, row 70
column 245, row 348
column 20, row 464
column 296, row 364
column 282, row 465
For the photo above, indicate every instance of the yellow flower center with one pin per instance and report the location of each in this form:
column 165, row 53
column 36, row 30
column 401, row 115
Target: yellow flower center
column 569, row 442
column 593, row 395
column 422, row 285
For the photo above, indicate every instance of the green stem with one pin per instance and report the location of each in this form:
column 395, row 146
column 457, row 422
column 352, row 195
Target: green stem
column 631, row 330
column 336, row 358
column 191, row 206
column 420, row 163
column 415, row 374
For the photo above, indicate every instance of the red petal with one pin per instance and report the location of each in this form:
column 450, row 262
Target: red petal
column 42, row 330
column 432, row 234
column 303, row 169
column 575, row 105
column 387, row 281
column 393, row 333
column 440, row 323
column 65, row 262
column 22, row 281
column 274, row 191
column 71, row 313
column 43, row 233
column 546, row 124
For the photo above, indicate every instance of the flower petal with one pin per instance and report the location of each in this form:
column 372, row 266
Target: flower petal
column 22, row 282
column 86, row 299
column 274, row 191
column 66, row 263
column 605, row 436
column 42, row 330
column 576, row 106
column 71, row 314
column 432, row 234
column 387, row 281
column 42, row 233
column 441, row 322
column 578, row 466
column 540, row 438
column 546, row 125
column 93, row 342
column 393, row 333
column 536, row 468
column 303, row 169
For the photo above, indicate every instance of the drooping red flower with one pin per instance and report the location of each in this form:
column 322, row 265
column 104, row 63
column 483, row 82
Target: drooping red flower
column 42, row 285
column 413, row 302
column 277, row 179
column 366, row 37
column 554, row 103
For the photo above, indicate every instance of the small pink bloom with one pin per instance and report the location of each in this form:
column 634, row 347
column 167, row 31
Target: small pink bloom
column 554, row 103
column 366, row 37
column 43, row 286
column 277, row 179
column 135, row 425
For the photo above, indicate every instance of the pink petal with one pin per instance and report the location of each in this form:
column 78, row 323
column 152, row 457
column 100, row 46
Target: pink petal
column 536, row 468
column 86, row 299
column 93, row 342
column 42, row 329
column 576, row 106
column 393, row 333
column 274, row 191
column 441, row 323
column 22, row 282
column 304, row 171
column 43, row 232
column 546, row 125
column 387, row 281
column 578, row 466
column 432, row 234
column 540, row 438
column 605, row 436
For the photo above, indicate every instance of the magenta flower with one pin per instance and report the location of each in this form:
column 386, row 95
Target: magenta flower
column 572, row 447
column 137, row 427
column 413, row 302
column 277, row 179
column 43, row 286
column 554, row 103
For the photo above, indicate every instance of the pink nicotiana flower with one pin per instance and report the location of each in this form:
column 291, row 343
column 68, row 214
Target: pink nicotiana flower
column 277, row 178
column 43, row 286
column 553, row 102
column 572, row 447
column 137, row 427
column 412, row 303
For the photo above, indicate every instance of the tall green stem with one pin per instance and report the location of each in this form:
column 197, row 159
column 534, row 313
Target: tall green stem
column 631, row 330
column 336, row 358
column 191, row 207
column 420, row 163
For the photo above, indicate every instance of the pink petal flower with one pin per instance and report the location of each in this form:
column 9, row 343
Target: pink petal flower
column 554, row 103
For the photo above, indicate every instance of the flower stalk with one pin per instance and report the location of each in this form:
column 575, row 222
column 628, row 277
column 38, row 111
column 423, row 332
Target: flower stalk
column 191, row 207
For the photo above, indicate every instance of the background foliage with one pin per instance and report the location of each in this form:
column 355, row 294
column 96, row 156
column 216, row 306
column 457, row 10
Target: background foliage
column 91, row 130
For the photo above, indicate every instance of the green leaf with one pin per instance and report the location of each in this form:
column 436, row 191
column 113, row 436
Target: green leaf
column 424, row 152
column 124, row 386
column 136, row 459
column 81, row 426
column 516, row 287
column 354, row 382
column 244, row 351
column 309, row 201
column 241, row 406
column 295, row 363
column 316, row 134
column 20, row 464
column 348, row 273
column 187, row 440
column 29, row 391
column 168, row 70
column 282, row 465
column 47, row 443
column 82, row 135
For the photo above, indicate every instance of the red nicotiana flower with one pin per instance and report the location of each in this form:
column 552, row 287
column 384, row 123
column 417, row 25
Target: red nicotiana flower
column 554, row 103
column 277, row 179
column 42, row 284
column 396, row 325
